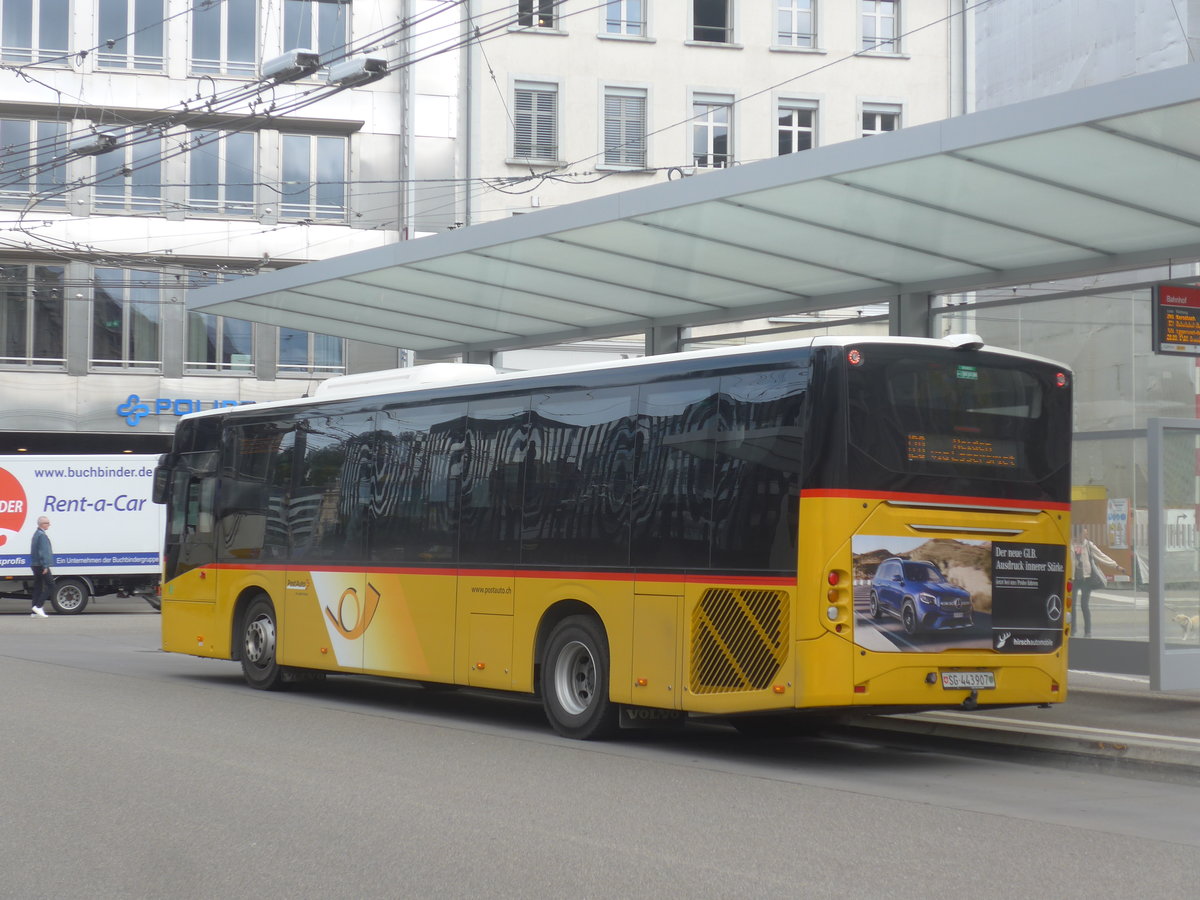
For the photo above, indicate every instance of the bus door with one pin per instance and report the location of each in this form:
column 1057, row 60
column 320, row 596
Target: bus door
column 493, row 467
column 189, row 548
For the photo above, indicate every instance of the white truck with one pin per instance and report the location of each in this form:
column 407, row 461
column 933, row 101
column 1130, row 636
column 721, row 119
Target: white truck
column 106, row 533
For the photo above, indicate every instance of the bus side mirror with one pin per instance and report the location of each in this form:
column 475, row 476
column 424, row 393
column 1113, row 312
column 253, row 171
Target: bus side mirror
column 162, row 484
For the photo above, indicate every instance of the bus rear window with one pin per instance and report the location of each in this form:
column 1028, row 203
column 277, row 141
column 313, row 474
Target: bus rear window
column 940, row 415
column 964, row 388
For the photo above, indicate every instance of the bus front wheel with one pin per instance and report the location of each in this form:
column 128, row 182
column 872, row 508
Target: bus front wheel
column 259, row 642
column 574, row 680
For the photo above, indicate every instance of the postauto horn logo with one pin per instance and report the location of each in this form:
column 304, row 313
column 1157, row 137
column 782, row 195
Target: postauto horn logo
column 13, row 504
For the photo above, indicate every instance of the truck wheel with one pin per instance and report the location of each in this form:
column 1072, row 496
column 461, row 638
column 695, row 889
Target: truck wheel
column 575, row 680
column 70, row 596
column 259, row 644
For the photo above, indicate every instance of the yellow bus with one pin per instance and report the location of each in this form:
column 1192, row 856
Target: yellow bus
column 755, row 532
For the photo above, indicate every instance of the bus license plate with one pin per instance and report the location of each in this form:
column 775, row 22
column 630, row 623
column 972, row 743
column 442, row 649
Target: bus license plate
column 975, row 681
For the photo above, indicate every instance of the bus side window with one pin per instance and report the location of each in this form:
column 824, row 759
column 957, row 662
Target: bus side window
column 673, row 494
column 759, row 458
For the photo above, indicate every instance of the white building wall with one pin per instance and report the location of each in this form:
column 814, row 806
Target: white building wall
column 177, row 242
column 581, row 60
column 1032, row 48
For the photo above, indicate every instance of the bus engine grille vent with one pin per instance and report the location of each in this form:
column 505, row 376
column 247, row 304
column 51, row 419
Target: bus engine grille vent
column 739, row 640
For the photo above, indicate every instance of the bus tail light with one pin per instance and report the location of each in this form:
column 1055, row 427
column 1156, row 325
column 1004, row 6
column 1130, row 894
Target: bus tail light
column 839, row 600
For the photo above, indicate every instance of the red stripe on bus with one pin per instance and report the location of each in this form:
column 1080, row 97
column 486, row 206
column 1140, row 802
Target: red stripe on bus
column 563, row 575
column 957, row 499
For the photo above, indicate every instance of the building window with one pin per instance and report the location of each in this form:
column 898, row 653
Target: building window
column 797, row 126
column 712, row 131
column 314, row 178
column 537, row 13
column 125, row 319
column 221, row 173
column 31, row 316
column 135, row 28
column 129, row 178
column 34, row 171
column 879, row 21
column 224, row 36
column 535, row 121
column 712, row 21
column 306, row 353
column 321, row 25
column 795, row 23
column 34, row 30
column 625, row 17
column 878, row 118
column 219, row 344
column 625, row 127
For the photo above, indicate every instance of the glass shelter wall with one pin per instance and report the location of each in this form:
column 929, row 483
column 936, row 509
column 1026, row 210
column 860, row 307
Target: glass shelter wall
column 1104, row 335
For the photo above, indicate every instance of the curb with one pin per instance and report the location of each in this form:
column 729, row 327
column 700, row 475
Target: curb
column 1174, row 757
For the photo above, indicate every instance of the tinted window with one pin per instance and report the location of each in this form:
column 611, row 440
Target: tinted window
column 954, row 422
column 327, row 512
column 414, row 510
column 578, row 478
column 673, row 494
column 492, row 484
column 244, row 505
column 758, row 457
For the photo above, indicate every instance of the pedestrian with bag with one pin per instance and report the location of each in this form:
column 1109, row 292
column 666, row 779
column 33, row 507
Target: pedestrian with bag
column 41, row 559
column 1089, row 575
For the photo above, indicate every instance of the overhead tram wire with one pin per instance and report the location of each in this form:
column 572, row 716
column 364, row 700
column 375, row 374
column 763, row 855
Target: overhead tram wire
column 212, row 107
column 217, row 104
column 830, row 64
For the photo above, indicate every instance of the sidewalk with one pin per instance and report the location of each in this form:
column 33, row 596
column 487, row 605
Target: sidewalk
column 1110, row 720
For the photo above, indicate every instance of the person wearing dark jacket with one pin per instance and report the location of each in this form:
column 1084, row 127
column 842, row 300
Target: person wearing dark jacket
column 41, row 558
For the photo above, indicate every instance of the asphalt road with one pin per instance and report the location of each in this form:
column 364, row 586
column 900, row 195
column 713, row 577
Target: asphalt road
column 128, row 772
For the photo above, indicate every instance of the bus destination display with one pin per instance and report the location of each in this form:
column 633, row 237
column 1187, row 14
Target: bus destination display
column 961, row 451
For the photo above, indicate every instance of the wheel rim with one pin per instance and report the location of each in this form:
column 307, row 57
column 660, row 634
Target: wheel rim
column 260, row 641
column 69, row 597
column 575, row 678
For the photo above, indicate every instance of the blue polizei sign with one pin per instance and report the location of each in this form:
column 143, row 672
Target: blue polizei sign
column 134, row 409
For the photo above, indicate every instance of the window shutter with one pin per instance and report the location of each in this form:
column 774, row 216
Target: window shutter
column 535, row 123
column 625, row 129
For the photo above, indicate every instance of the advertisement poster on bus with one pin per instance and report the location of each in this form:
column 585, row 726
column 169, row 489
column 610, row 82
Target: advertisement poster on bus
column 929, row 594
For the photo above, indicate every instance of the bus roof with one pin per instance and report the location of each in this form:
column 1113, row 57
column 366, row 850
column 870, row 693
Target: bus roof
column 438, row 375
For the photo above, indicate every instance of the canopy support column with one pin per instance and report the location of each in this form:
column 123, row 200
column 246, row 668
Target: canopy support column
column 910, row 316
column 663, row 339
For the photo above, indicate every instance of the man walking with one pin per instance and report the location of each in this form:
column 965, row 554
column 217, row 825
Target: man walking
column 41, row 558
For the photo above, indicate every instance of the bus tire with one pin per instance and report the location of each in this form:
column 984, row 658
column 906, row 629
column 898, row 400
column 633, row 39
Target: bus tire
column 69, row 596
column 260, row 641
column 574, row 680
column 908, row 615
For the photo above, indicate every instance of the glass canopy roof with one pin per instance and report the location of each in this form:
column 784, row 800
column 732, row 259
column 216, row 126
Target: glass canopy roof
column 1094, row 180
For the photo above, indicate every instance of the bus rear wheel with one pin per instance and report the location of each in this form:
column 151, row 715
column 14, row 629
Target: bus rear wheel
column 70, row 596
column 260, row 638
column 574, row 680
